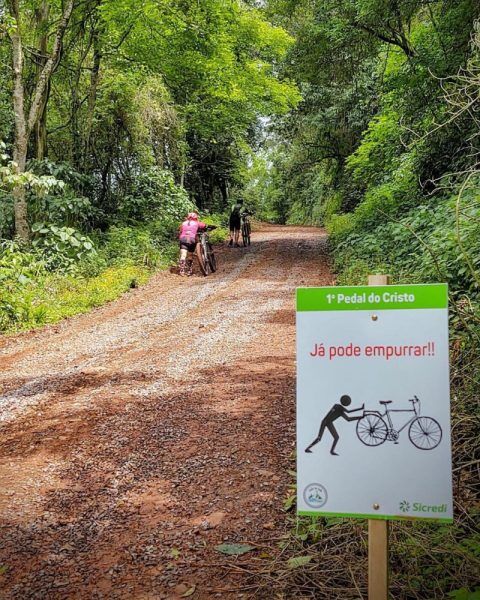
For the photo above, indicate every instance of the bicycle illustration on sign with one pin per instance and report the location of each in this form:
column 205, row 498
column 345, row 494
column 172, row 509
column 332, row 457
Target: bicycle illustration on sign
column 374, row 427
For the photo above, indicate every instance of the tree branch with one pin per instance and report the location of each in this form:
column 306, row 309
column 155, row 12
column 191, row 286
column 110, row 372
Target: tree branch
column 399, row 41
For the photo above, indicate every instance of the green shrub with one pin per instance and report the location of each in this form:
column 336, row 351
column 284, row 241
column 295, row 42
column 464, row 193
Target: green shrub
column 19, row 270
column 220, row 221
column 66, row 208
column 378, row 151
column 154, row 195
column 134, row 244
column 339, row 226
column 6, row 214
column 62, row 247
column 421, row 246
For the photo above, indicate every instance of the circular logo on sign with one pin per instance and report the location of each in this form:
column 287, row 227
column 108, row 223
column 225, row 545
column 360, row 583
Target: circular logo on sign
column 315, row 495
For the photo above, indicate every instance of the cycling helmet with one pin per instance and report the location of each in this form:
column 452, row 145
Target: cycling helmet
column 192, row 216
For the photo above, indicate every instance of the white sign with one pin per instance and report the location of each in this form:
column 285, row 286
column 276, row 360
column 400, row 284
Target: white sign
column 373, row 405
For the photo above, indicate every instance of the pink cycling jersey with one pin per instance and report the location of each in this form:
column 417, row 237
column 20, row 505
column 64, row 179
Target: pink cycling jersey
column 189, row 229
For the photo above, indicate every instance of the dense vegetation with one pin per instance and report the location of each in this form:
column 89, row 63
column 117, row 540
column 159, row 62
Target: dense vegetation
column 116, row 117
column 384, row 151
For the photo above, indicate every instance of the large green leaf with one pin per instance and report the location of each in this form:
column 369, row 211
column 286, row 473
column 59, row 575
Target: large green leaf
column 298, row 561
column 234, row 549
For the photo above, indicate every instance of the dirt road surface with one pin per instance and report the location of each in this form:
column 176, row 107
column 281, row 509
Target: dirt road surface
column 138, row 437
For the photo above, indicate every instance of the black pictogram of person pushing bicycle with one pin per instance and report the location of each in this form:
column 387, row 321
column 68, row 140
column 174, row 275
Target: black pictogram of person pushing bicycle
column 374, row 427
column 337, row 411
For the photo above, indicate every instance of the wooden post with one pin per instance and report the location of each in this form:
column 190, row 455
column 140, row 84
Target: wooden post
column 378, row 529
column 377, row 559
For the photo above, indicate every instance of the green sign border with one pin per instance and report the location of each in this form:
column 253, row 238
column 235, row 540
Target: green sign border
column 434, row 295
column 313, row 513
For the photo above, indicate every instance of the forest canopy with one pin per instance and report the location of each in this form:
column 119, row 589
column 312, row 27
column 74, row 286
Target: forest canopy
column 110, row 89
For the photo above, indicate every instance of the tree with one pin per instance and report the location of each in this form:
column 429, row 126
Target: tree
column 26, row 121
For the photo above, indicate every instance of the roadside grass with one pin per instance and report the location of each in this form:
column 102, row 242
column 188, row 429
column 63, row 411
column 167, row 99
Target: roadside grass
column 56, row 297
column 32, row 295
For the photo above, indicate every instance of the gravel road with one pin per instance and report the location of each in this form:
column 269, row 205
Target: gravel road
column 136, row 438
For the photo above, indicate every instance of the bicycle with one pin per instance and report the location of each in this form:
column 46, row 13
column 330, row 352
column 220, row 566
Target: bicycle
column 246, row 229
column 204, row 251
column 374, row 427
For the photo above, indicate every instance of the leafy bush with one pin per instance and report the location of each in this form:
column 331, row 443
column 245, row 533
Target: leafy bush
column 375, row 158
column 132, row 244
column 421, row 246
column 164, row 229
column 66, row 208
column 220, row 221
column 6, row 214
column 62, row 247
column 19, row 269
column 154, row 195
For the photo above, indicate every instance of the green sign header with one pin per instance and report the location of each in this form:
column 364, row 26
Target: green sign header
column 373, row 297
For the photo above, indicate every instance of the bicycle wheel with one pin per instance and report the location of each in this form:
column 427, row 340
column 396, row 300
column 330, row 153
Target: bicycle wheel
column 372, row 430
column 425, row 433
column 249, row 231
column 212, row 258
column 244, row 234
column 202, row 259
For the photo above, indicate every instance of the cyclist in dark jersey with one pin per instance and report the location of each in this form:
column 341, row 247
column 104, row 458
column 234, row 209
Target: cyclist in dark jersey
column 337, row 411
column 235, row 222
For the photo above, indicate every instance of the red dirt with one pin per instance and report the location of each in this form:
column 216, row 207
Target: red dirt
column 136, row 438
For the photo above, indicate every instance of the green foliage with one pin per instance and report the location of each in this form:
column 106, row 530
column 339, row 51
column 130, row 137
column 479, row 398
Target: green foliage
column 62, row 247
column 55, row 297
column 64, row 205
column 421, row 246
column 465, row 594
column 143, row 91
column 19, row 269
column 375, row 158
column 33, row 295
column 220, row 221
column 135, row 245
column 153, row 194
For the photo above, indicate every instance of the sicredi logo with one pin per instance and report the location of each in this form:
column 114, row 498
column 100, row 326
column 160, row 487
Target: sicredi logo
column 406, row 506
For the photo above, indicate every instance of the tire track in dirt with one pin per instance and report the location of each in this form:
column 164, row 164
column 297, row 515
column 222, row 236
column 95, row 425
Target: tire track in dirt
column 126, row 459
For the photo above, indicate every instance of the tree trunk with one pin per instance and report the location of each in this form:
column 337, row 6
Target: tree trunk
column 24, row 127
column 20, row 202
column 41, row 125
column 223, row 187
column 41, row 135
column 21, row 137
column 49, row 67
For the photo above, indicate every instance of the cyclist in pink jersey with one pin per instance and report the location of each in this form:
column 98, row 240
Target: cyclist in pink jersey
column 187, row 238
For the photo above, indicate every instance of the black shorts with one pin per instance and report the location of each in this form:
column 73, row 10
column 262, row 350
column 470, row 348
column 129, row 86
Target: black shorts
column 187, row 245
column 234, row 223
